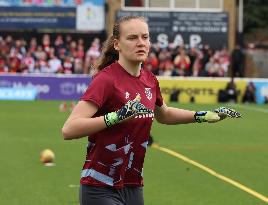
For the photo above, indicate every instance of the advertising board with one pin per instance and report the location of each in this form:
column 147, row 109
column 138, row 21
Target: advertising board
column 193, row 29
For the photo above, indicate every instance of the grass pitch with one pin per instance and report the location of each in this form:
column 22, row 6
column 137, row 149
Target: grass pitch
column 235, row 148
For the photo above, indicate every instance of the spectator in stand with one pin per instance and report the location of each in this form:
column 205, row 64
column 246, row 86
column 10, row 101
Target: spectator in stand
column 81, row 48
column 37, row 68
column 224, row 60
column 29, row 61
column 54, row 64
column 197, row 64
column 182, row 63
column 78, row 66
column 19, row 47
column 39, row 53
column 165, row 63
column 152, row 63
column 9, row 41
column 4, row 50
column 211, row 67
column 73, row 49
column 33, row 45
column 156, row 49
column 16, row 51
column 207, row 54
column 62, row 53
column 92, row 54
column 58, row 44
column 80, row 51
column 68, row 40
column 81, row 42
column 169, row 67
column 14, row 60
column 193, row 53
column 250, row 95
column 214, row 67
column 68, row 65
column 43, row 62
column 14, row 65
column 94, row 49
column 46, row 43
column 3, row 66
column 23, row 68
column 237, row 62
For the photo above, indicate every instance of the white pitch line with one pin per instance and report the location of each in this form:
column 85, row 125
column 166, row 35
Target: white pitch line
column 73, row 185
column 212, row 172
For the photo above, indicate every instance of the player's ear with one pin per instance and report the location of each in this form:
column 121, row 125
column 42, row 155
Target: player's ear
column 116, row 45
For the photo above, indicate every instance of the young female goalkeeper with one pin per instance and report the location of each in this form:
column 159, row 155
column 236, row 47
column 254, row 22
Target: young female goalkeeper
column 116, row 113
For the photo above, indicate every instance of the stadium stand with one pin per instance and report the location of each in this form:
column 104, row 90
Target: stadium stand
column 73, row 56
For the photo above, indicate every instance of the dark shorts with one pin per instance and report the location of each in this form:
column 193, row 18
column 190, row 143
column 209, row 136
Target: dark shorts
column 90, row 195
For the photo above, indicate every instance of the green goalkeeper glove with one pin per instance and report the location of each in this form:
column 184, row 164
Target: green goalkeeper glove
column 206, row 116
column 216, row 115
column 130, row 109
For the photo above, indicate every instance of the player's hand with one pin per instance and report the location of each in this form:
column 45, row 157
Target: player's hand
column 216, row 115
column 206, row 116
column 224, row 112
column 130, row 109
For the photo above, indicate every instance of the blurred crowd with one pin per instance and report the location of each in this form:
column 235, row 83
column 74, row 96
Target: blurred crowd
column 178, row 61
column 66, row 55
column 63, row 55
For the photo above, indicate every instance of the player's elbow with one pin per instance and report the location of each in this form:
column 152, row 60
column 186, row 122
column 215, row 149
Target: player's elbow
column 163, row 122
column 161, row 114
column 161, row 119
column 66, row 134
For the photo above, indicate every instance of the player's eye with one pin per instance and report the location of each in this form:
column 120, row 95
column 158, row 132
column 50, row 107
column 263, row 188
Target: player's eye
column 132, row 37
column 145, row 37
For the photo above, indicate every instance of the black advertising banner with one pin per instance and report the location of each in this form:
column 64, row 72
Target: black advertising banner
column 193, row 29
column 37, row 17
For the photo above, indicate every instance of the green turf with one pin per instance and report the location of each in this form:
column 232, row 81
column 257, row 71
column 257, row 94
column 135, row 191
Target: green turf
column 237, row 149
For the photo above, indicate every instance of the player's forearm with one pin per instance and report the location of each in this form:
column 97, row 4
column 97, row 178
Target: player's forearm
column 173, row 116
column 81, row 127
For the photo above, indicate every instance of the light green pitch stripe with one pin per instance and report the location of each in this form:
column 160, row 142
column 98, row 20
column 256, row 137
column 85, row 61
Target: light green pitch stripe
column 212, row 172
column 263, row 110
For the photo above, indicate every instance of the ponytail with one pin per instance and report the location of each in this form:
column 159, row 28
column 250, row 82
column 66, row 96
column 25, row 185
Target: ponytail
column 108, row 55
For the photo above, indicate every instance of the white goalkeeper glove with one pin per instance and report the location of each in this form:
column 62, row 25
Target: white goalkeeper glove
column 227, row 112
column 130, row 109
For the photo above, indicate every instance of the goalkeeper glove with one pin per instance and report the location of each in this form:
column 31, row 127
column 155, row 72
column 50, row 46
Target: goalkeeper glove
column 206, row 116
column 227, row 112
column 217, row 115
column 130, row 109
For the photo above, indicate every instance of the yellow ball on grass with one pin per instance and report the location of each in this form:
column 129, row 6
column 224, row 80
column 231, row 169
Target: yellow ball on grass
column 47, row 156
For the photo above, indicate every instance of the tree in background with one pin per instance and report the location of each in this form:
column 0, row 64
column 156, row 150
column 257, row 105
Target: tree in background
column 256, row 21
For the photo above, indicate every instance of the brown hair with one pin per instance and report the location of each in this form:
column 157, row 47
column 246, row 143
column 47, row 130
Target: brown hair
column 108, row 54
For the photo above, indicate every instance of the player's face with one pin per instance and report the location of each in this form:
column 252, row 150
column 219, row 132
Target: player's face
column 134, row 43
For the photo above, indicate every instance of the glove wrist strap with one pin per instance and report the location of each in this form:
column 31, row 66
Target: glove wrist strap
column 200, row 116
column 111, row 119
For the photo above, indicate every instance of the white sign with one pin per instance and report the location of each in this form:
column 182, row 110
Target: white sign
column 90, row 17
